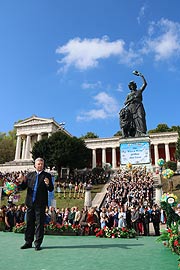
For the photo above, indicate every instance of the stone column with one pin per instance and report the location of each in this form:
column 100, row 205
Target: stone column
column 114, row 158
column 167, row 152
column 103, row 156
column 18, row 148
column 158, row 195
column 39, row 137
column 93, row 158
column 156, row 154
column 28, row 144
column 23, row 149
column 49, row 134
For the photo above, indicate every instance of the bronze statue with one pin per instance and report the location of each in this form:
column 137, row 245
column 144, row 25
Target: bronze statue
column 133, row 116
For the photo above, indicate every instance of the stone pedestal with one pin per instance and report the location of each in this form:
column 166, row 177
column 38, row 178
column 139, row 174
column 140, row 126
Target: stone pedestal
column 158, row 194
column 1, row 188
column 135, row 150
column 87, row 199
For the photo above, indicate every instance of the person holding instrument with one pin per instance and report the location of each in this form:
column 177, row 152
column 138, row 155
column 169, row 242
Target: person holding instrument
column 38, row 183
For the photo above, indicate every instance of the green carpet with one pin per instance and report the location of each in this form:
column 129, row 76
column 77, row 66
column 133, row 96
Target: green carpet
column 86, row 253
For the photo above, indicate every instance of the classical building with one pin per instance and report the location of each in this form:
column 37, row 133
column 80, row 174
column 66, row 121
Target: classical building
column 107, row 150
column 29, row 131
column 104, row 150
column 32, row 130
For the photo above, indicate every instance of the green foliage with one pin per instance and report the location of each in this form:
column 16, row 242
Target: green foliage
column 171, row 165
column 160, row 128
column 118, row 133
column 7, row 146
column 115, row 232
column 51, row 227
column 97, row 170
column 55, row 227
column 163, row 128
column 89, row 135
column 19, row 228
column 61, row 150
column 42, row 149
column 61, row 202
column 171, row 238
column 170, row 213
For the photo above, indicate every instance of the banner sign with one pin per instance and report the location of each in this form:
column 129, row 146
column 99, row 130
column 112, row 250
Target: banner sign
column 135, row 153
column 1, row 188
column 51, row 194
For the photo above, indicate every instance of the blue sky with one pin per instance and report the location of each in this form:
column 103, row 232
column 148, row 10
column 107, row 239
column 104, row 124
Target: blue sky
column 73, row 60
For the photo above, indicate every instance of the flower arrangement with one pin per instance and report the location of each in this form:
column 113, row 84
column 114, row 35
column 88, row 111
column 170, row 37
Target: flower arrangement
column 51, row 227
column 171, row 239
column 19, row 228
column 56, row 227
column 115, row 232
column 169, row 198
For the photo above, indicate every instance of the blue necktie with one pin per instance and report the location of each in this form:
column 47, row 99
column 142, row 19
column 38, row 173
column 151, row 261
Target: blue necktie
column 35, row 188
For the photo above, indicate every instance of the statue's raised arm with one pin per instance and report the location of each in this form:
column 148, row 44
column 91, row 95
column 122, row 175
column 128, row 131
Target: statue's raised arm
column 137, row 73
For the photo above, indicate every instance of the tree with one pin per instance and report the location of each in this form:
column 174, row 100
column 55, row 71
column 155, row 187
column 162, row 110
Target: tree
column 7, row 146
column 118, row 133
column 42, row 149
column 174, row 128
column 89, row 135
column 61, row 150
column 171, row 165
column 160, row 128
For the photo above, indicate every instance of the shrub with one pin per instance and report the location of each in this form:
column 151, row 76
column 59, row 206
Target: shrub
column 171, row 165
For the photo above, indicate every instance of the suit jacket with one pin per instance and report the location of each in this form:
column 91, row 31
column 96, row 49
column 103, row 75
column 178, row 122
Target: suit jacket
column 42, row 189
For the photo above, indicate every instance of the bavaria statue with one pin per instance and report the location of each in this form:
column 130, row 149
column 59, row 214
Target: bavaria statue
column 132, row 115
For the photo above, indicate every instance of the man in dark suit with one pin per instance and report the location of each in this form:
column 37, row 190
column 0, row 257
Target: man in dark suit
column 38, row 183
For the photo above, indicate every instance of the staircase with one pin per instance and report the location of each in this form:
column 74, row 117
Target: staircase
column 99, row 198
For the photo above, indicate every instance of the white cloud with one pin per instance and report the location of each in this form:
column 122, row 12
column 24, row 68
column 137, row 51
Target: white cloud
column 132, row 57
column 141, row 13
column 92, row 114
column 91, row 85
column 86, row 53
column 163, row 40
column 119, row 88
column 108, row 107
column 107, row 102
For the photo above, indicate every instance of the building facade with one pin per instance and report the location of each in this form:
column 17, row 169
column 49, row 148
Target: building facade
column 32, row 130
column 107, row 150
column 104, row 150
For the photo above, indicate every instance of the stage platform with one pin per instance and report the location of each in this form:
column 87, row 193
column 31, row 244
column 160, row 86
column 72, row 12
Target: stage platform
column 86, row 252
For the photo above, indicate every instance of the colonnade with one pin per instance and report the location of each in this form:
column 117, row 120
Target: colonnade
column 114, row 159
column 104, row 158
column 25, row 144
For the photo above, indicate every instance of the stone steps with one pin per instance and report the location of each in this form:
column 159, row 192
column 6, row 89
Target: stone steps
column 99, row 198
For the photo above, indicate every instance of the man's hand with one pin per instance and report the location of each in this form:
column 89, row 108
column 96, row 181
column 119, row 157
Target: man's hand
column 46, row 181
column 21, row 178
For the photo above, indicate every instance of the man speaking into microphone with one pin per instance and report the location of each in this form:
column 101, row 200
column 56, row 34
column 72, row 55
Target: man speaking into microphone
column 38, row 183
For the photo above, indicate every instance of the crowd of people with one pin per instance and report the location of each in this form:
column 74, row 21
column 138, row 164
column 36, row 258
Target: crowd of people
column 128, row 203
column 130, row 199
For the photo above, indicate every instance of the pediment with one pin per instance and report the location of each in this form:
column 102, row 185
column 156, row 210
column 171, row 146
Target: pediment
column 34, row 120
